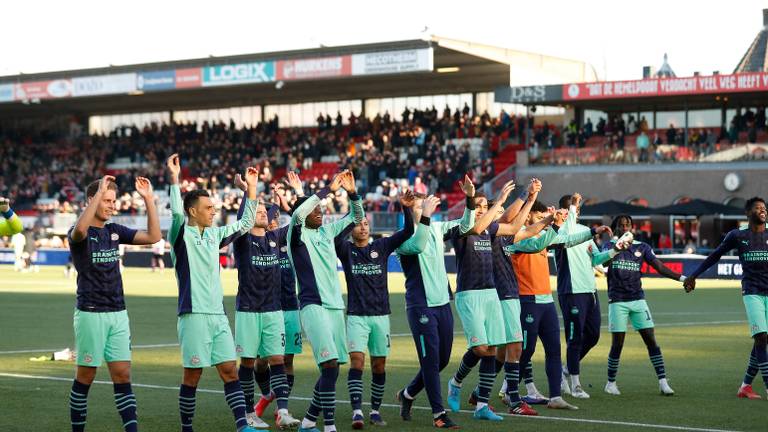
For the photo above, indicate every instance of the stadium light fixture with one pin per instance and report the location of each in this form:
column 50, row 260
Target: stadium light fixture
column 449, row 69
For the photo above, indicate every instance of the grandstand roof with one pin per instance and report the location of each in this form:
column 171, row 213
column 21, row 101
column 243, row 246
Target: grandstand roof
column 754, row 59
column 403, row 68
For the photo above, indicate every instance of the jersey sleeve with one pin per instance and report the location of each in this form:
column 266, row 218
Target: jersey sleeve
column 536, row 244
column 301, row 212
column 600, row 257
column 729, row 242
column 648, row 255
column 399, row 237
column 228, row 233
column 418, row 242
column 177, row 214
column 341, row 243
column 11, row 224
column 355, row 215
column 465, row 224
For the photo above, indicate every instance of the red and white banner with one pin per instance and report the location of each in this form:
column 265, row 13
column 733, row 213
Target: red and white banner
column 43, row 90
column 188, row 78
column 737, row 83
column 325, row 67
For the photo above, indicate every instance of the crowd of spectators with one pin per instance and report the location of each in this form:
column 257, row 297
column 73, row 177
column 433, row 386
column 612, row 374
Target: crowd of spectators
column 632, row 141
column 49, row 171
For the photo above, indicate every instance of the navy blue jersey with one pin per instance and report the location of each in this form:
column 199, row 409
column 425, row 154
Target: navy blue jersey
column 288, row 299
column 365, row 269
column 503, row 273
column 259, row 274
column 624, row 272
column 752, row 248
column 96, row 259
column 474, row 258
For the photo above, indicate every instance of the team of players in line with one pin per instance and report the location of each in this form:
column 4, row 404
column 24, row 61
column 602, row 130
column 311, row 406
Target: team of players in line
column 288, row 281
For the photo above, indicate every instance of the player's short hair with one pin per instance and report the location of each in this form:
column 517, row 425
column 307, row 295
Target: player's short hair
column 191, row 198
column 565, row 201
column 93, row 187
column 418, row 195
column 479, row 195
column 751, row 202
column 538, row 207
column 615, row 221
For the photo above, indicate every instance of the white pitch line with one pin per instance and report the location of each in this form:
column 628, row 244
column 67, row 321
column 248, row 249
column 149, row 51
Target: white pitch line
column 169, row 345
column 30, row 351
column 566, row 419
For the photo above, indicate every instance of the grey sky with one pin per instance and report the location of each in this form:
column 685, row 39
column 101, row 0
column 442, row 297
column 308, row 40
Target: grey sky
column 617, row 37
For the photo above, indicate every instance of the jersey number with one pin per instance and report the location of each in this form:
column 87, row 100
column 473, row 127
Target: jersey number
column 647, row 315
column 297, row 339
column 282, row 337
column 389, row 341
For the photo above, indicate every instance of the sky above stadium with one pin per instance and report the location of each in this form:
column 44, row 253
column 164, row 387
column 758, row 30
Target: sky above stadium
column 616, row 37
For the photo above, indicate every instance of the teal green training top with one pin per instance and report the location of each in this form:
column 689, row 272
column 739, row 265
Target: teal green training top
column 195, row 257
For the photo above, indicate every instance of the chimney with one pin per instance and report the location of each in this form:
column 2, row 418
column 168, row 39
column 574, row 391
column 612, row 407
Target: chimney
column 696, row 74
column 765, row 18
column 716, row 73
column 646, row 72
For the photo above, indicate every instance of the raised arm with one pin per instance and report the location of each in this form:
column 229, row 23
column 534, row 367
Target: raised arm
column 301, row 212
column 87, row 216
column 356, row 213
column 602, row 257
column 567, row 238
column 152, row 235
column 11, row 223
column 177, row 206
column 484, row 221
column 229, row 233
column 535, row 244
column 399, row 237
column 418, row 242
column 511, row 229
column 467, row 221
column 513, row 210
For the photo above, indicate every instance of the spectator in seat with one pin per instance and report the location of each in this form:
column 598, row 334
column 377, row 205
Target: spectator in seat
column 643, row 144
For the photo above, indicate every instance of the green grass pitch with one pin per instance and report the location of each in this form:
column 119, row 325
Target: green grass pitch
column 703, row 336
